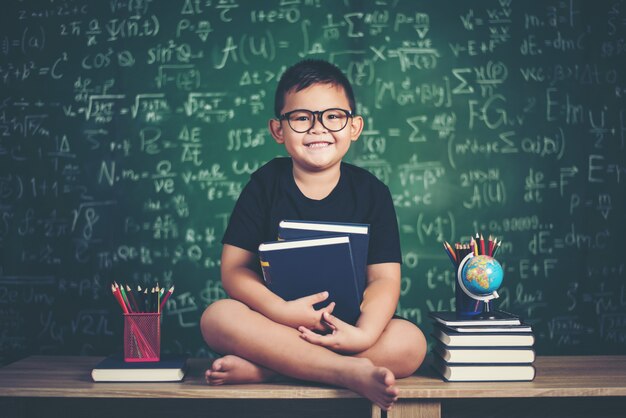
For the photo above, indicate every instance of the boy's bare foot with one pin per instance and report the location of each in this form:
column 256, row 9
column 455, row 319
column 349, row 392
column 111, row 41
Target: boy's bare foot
column 375, row 383
column 231, row 369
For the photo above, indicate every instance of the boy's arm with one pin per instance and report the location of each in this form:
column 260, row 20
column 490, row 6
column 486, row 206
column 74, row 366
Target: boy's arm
column 243, row 283
column 379, row 304
column 380, row 298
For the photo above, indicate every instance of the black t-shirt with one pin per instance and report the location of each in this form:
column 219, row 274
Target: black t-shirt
column 272, row 195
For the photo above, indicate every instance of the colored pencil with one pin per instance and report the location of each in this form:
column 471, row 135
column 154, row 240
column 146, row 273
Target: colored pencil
column 146, row 301
column 482, row 245
column 450, row 250
column 445, row 248
column 124, row 297
column 131, row 297
column 167, row 296
column 141, row 300
column 119, row 299
column 158, row 298
column 496, row 247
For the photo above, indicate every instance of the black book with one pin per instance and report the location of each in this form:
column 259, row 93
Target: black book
column 488, row 328
column 497, row 318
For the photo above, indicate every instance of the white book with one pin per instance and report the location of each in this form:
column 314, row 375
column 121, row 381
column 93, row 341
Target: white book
column 334, row 227
column 485, row 373
column 115, row 369
column 485, row 355
column 458, row 339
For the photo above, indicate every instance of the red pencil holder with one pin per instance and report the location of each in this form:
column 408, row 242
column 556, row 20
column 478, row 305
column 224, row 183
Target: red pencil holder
column 142, row 337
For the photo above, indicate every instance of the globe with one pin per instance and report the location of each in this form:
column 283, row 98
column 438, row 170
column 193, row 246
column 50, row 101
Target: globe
column 482, row 275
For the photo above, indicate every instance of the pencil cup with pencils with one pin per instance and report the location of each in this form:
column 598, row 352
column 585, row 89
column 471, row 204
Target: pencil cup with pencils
column 478, row 275
column 142, row 320
column 142, row 336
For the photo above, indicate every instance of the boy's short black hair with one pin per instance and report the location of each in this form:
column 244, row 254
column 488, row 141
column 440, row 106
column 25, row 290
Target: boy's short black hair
column 306, row 73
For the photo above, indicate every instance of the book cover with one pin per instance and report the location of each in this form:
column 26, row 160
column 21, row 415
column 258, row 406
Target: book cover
column 297, row 268
column 358, row 233
column 484, row 373
column 484, row 354
column 115, row 369
column 493, row 328
column 500, row 339
column 451, row 319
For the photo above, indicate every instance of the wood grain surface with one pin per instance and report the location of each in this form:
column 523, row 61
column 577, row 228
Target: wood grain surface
column 68, row 376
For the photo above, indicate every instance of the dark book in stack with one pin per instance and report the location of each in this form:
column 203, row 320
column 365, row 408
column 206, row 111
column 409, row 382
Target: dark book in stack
column 498, row 348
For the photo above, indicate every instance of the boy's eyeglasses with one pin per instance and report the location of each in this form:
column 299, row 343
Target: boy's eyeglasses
column 302, row 120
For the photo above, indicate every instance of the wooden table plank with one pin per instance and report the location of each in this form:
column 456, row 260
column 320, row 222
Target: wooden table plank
column 427, row 408
column 69, row 377
column 557, row 376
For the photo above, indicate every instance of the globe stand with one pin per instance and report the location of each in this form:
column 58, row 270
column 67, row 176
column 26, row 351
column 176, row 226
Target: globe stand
column 485, row 313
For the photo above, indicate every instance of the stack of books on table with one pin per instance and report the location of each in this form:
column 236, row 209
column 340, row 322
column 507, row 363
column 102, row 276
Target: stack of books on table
column 475, row 349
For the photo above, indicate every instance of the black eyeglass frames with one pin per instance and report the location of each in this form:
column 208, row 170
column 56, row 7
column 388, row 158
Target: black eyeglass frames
column 302, row 120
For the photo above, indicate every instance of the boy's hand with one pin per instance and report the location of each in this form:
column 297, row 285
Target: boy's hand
column 301, row 313
column 345, row 338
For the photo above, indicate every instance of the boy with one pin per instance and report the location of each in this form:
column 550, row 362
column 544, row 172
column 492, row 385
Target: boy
column 263, row 335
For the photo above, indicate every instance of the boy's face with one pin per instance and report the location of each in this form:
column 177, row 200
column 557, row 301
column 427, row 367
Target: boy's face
column 317, row 149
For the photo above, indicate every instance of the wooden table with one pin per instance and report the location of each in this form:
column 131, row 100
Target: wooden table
column 49, row 386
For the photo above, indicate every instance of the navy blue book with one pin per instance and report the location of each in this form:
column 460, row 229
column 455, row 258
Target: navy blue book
column 359, row 240
column 115, row 369
column 297, row 268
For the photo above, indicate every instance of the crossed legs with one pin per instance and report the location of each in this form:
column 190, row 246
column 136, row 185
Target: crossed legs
column 258, row 349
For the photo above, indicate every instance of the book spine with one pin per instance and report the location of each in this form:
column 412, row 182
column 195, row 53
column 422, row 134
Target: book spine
column 265, row 268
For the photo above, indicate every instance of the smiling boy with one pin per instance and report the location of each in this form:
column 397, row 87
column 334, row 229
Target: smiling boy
column 262, row 335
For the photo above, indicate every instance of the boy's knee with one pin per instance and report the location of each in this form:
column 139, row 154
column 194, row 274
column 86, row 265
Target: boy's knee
column 216, row 314
column 413, row 348
column 421, row 345
column 420, row 348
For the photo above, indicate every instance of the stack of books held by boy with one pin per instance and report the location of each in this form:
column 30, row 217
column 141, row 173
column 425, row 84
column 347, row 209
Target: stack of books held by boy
column 479, row 349
column 312, row 257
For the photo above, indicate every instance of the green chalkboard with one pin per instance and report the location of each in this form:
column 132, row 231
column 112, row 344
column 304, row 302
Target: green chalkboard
column 128, row 129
